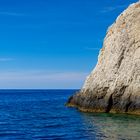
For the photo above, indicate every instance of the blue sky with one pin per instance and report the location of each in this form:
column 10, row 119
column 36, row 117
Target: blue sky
column 52, row 43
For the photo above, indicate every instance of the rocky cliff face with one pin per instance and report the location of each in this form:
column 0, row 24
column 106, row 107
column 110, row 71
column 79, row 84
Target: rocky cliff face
column 114, row 84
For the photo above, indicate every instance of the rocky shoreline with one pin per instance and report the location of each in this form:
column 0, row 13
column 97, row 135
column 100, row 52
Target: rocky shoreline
column 114, row 85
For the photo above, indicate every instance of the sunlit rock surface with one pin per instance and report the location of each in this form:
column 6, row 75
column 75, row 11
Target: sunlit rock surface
column 114, row 84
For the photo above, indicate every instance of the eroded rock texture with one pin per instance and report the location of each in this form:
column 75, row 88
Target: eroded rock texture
column 114, row 84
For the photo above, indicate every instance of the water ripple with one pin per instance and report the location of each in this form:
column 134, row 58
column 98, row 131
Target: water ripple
column 41, row 115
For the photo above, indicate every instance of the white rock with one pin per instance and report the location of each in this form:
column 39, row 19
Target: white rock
column 114, row 84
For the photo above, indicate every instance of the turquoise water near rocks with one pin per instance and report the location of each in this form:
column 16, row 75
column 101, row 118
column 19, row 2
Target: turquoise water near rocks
column 41, row 115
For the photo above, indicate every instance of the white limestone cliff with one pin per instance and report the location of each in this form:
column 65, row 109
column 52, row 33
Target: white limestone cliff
column 114, row 84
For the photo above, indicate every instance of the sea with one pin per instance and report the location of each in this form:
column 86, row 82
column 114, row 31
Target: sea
column 42, row 115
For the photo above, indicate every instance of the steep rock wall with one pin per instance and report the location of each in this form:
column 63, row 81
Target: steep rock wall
column 114, row 84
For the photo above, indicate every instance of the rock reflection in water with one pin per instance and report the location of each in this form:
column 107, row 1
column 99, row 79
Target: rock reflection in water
column 112, row 126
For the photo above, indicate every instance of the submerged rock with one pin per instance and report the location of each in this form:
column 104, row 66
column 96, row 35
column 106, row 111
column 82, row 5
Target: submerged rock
column 114, row 84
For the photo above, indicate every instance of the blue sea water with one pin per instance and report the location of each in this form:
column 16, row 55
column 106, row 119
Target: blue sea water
column 42, row 115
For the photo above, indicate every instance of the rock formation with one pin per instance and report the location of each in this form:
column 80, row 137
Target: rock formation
column 114, row 84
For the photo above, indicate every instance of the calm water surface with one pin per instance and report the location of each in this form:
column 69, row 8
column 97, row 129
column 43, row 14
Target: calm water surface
column 41, row 115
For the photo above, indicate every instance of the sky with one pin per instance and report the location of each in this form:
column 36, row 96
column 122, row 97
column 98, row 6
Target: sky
column 52, row 44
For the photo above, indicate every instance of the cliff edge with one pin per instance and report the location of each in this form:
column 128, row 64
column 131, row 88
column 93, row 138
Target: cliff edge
column 114, row 84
